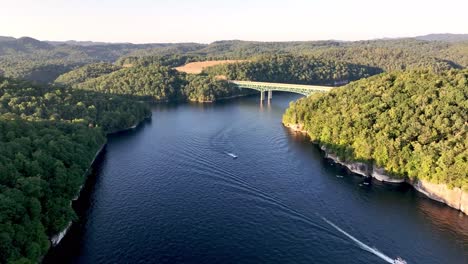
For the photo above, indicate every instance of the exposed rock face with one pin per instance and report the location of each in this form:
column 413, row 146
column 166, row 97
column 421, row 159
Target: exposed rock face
column 455, row 198
column 296, row 128
column 381, row 175
column 360, row 168
column 55, row 240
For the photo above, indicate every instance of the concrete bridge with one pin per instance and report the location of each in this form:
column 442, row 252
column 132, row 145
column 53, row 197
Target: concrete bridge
column 284, row 87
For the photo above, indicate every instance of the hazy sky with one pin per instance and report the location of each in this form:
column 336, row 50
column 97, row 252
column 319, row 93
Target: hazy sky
column 205, row 21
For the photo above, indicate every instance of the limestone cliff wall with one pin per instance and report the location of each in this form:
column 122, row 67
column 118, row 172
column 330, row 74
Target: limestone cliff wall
column 455, row 197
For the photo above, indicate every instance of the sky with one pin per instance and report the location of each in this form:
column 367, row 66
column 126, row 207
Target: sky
column 205, row 21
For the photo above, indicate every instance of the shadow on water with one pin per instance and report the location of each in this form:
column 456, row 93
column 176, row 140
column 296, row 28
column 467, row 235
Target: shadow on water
column 166, row 192
column 439, row 215
column 70, row 246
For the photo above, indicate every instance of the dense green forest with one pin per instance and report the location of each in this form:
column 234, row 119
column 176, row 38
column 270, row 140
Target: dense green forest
column 42, row 61
column 86, row 72
column 153, row 77
column 48, row 137
column 412, row 123
column 149, row 80
column 293, row 69
column 393, row 58
column 202, row 88
column 155, row 82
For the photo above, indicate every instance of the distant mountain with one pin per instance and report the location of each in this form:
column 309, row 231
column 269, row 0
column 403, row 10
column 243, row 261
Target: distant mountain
column 447, row 37
column 43, row 61
column 2, row 38
column 85, row 43
column 79, row 43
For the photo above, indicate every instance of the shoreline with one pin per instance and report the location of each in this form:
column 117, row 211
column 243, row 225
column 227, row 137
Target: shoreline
column 57, row 238
column 455, row 198
column 219, row 99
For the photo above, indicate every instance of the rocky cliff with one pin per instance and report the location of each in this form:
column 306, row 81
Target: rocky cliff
column 455, row 197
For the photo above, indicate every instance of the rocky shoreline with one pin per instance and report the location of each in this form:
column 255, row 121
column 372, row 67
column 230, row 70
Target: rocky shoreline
column 455, row 197
column 55, row 239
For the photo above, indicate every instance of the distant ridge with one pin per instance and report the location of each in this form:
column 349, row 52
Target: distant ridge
column 2, row 38
column 447, row 37
column 81, row 43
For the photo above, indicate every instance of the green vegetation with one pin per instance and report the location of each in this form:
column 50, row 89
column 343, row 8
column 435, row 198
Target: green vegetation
column 151, row 81
column 207, row 89
column 43, row 166
column 413, row 124
column 86, row 72
column 172, row 60
column 48, row 137
column 391, row 57
column 155, row 82
column 29, row 102
column 41, row 61
column 293, row 69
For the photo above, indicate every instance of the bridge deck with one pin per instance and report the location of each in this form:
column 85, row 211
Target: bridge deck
column 282, row 86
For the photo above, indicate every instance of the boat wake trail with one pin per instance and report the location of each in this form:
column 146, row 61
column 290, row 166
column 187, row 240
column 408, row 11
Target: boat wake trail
column 360, row 244
column 234, row 156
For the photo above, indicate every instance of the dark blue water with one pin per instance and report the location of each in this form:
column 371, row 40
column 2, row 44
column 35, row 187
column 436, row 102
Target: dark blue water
column 167, row 192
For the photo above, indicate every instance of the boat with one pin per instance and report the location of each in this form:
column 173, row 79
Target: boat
column 365, row 183
column 232, row 155
column 339, row 176
column 399, row 260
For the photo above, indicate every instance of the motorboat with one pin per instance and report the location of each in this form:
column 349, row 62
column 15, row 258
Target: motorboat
column 399, row 260
column 232, row 155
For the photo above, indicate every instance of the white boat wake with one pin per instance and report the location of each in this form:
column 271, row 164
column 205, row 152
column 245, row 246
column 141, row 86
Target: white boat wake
column 231, row 154
column 360, row 244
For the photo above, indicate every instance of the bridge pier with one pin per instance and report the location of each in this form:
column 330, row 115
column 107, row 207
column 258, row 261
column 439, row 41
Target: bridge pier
column 262, row 95
column 270, row 95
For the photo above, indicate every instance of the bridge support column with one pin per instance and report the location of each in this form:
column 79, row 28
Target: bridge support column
column 262, row 95
column 270, row 94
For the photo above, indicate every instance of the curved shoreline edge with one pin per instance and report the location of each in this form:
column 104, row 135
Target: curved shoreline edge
column 55, row 239
column 456, row 197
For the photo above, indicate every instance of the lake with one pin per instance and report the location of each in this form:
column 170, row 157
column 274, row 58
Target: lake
column 169, row 192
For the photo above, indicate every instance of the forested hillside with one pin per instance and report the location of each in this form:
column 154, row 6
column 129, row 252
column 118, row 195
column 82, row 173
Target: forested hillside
column 413, row 55
column 48, row 137
column 155, row 82
column 42, row 61
column 293, row 69
column 86, row 72
column 413, row 123
column 149, row 77
column 202, row 88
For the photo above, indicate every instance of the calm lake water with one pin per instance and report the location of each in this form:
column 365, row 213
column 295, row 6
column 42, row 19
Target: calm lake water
column 168, row 192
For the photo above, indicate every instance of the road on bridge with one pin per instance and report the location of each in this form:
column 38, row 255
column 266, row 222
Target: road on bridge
column 284, row 87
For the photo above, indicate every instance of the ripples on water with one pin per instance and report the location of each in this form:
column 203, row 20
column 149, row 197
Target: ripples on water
column 168, row 193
